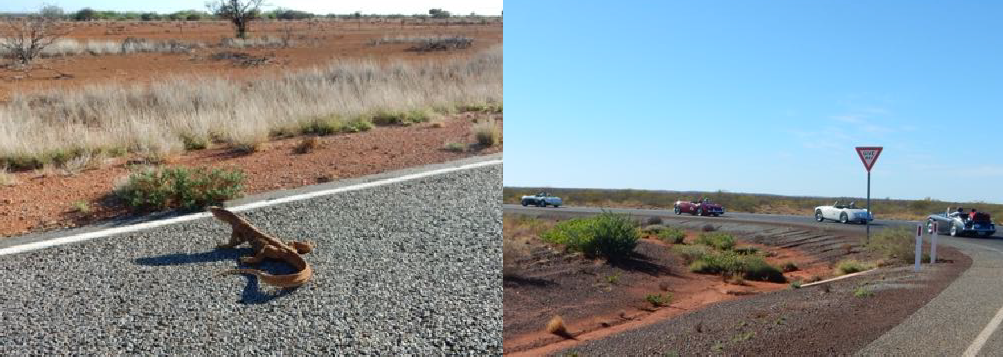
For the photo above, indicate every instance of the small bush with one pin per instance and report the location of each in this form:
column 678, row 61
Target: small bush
column 672, row 235
column 659, row 300
column 895, row 243
column 7, row 178
column 556, row 326
column 455, row 147
column 609, row 235
column 751, row 267
column 851, row 266
column 746, row 250
column 654, row 220
column 691, row 253
column 789, row 267
column 863, row 292
column 82, row 207
column 181, row 187
column 708, row 228
column 613, row 279
column 192, row 142
column 796, row 284
column 385, row 118
column 722, row 241
column 307, row 144
column 487, row 133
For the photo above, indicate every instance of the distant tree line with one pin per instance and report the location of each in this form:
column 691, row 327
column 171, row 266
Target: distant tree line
column 88, row 14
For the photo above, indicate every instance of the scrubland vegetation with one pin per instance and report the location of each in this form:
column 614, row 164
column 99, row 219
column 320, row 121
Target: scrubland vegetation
column 883, row 208
column 168, row 117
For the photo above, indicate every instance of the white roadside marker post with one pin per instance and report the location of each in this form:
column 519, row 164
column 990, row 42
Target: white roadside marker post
column 919, row 246
column 933, row 244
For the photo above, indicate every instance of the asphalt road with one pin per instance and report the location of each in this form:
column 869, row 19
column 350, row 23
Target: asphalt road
column 397, row 270
column 964, row 319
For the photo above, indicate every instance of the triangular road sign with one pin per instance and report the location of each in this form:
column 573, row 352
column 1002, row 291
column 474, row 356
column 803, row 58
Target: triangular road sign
column 869, row 155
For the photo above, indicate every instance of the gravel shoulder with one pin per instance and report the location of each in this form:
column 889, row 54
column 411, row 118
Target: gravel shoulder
column 808, row 321
column 397, row 270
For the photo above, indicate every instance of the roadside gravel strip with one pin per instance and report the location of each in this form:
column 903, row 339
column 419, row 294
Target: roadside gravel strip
column 948, row 324
column 411, row 267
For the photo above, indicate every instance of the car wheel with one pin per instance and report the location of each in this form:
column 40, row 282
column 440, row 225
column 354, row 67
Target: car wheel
column 677, row 210
column 715, row 214
column 954, row 230
column 818, row 216
column 555, row 206
column 542, row 203
column 525, row 203
column 843, row 218
column 700, row 211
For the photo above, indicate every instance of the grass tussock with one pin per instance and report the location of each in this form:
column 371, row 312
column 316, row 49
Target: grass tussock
column 672, row 235
column 7, row 178
column 556, row 327
column 608, row 235
column 750, row 267
column 659, row 300
column 455, row 147
column 180, row 187
column 716, row 240
column 850, row 266
column 176, row 114
column 307, row 144
column 895, row 244
column 487, row 133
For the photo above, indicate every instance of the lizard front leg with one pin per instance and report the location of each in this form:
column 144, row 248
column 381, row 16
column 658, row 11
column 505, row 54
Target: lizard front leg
column 235, row 239
column 266, row 252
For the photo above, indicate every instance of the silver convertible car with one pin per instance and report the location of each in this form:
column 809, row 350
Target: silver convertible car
column 960, row 223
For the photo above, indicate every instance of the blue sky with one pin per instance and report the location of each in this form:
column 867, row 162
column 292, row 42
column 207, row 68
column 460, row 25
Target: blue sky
column 464, row 7
column 756, row 96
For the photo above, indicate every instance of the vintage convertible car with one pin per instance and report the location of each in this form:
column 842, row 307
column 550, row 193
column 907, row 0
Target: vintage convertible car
column 961, row 223
column 542, row 199
column 843, row 213
column 699, row 208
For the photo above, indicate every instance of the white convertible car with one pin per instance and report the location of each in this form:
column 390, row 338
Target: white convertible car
column 843, row 213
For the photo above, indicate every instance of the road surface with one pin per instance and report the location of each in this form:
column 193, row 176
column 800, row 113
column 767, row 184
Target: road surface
column 964, row 319
column 397, row 270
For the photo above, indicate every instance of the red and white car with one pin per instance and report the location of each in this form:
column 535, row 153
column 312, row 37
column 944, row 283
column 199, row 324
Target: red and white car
column 699, row 208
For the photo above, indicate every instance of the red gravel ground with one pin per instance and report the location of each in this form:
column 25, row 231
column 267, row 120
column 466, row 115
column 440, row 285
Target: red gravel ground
column 47, row 200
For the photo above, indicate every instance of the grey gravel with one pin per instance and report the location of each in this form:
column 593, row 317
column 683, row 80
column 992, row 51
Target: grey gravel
column 408, row 268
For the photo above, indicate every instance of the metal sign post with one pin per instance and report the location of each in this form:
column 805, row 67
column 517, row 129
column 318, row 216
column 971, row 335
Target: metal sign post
column 933, row 244
column 869, row 155
column 919, row 247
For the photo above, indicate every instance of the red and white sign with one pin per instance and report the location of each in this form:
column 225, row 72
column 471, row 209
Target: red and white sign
column 869, row 155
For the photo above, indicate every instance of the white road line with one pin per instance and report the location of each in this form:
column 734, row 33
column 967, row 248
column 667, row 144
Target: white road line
column 983, row 336
column 147, row 225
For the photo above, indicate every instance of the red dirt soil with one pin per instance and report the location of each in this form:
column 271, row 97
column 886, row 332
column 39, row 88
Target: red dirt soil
column 549, row 283
column 316, row 44
column 43, row 201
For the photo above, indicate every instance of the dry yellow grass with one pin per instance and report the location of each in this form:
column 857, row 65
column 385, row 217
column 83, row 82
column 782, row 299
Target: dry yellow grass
column 154, row 119
column 556, row 326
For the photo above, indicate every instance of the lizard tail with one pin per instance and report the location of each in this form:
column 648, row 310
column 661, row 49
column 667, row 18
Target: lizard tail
column 282, row 281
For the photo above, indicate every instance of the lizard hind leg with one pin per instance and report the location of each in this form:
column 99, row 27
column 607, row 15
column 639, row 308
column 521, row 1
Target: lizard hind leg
column 302, row 247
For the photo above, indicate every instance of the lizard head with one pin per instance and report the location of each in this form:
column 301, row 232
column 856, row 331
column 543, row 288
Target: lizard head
column 302, row 247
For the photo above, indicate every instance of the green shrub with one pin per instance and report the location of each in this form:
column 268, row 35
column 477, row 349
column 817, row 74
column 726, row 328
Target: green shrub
column 658, row 300
column 895, row 243
column 751, row 267
column 454, row 147
column 385, row 118
column 654, row 220
column 193, row 142
column 745, row 250
column 722, row 241
column 181, row 187
column 863, row 292
column 653, row 228
column 608, row 235
column 691, row 253
column 851, row 266
column 672, row 235
column 789, row 267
